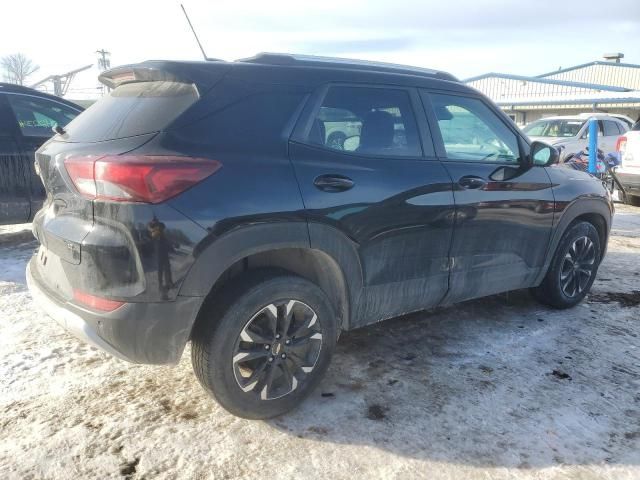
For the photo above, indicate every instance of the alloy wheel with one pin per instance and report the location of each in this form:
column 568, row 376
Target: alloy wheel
column 577, row 267
column 277, row 349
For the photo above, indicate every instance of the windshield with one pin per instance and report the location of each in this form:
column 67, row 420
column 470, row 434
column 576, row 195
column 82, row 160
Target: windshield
column 553, row 128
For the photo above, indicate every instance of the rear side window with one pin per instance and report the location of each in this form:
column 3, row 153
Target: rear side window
column 471, row 131
column 256, row 122
column 133, row 109
column 37, row 116
column 610, row 129
column 369, row 121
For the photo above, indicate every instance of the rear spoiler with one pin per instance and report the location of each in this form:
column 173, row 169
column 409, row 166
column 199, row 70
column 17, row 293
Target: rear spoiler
column 203, row 75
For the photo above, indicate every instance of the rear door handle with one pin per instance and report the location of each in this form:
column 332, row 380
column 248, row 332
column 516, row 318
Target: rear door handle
column 333, row 183
column 472, row 182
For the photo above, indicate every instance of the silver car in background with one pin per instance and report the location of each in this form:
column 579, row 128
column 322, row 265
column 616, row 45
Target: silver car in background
column 571, row 133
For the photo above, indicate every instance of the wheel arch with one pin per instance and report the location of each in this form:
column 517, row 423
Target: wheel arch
column 596, row 211
column 331, row 262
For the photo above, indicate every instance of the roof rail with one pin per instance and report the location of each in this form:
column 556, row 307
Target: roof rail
column 267, row 58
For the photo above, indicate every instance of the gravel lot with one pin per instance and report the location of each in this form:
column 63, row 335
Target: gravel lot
column 490, row 389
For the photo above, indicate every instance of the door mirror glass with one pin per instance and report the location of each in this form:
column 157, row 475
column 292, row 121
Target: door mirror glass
column 543, row 154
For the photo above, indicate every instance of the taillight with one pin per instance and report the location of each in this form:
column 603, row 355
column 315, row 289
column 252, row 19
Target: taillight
column 95, row 303
column 621, row 144
column 137, row 178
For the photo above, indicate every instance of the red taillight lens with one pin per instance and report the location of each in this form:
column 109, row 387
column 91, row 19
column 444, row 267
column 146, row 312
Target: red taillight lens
column 95, row 303
column 621, row 144
column 137, row 178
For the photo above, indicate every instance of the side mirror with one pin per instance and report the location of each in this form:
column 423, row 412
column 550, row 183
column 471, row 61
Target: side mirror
column 543, row 154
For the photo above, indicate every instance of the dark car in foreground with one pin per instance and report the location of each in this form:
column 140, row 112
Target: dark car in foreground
column 205, row 202
column 26, row 119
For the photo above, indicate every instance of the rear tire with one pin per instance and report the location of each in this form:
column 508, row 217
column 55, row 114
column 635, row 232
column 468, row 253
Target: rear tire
column 264, row 343
column 573, row 268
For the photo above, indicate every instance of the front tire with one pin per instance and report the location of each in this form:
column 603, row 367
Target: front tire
column 573, row 268
column 266, row 344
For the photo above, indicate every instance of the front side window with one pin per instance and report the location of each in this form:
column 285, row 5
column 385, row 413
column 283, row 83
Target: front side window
column 471, row 131
column 37, row 116
column 369, row 121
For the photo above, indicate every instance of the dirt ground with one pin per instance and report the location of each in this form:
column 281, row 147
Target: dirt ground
column 500, row 388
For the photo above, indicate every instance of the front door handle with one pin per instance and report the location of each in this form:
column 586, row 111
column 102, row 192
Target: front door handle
column 333, row 183
column 472, row 182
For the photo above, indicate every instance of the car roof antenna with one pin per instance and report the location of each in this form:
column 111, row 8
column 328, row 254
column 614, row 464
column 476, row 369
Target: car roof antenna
column 196, row 35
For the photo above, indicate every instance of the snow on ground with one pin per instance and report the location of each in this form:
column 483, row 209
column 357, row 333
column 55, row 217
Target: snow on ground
column 490, row 389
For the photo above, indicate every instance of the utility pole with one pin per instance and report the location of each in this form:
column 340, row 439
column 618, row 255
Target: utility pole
column 104, row 63
column 61, row 82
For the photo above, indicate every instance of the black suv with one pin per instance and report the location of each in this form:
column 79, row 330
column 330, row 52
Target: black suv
column 26, row 119
column 204, row 201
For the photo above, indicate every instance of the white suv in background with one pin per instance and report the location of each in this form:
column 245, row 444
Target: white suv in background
column 629, row 170
column 571, row 132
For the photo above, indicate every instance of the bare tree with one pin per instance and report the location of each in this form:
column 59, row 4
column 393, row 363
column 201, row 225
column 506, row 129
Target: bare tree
column 17, row 68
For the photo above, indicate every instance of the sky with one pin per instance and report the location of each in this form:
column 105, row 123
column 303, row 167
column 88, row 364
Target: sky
column 463, row 37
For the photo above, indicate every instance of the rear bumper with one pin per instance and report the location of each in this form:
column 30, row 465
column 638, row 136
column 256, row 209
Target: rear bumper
column 71, row 321
column 150, row 333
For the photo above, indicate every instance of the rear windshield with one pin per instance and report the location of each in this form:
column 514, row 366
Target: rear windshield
column 132, row 109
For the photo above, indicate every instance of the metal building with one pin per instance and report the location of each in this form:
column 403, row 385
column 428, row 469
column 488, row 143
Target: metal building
column 600, row 86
